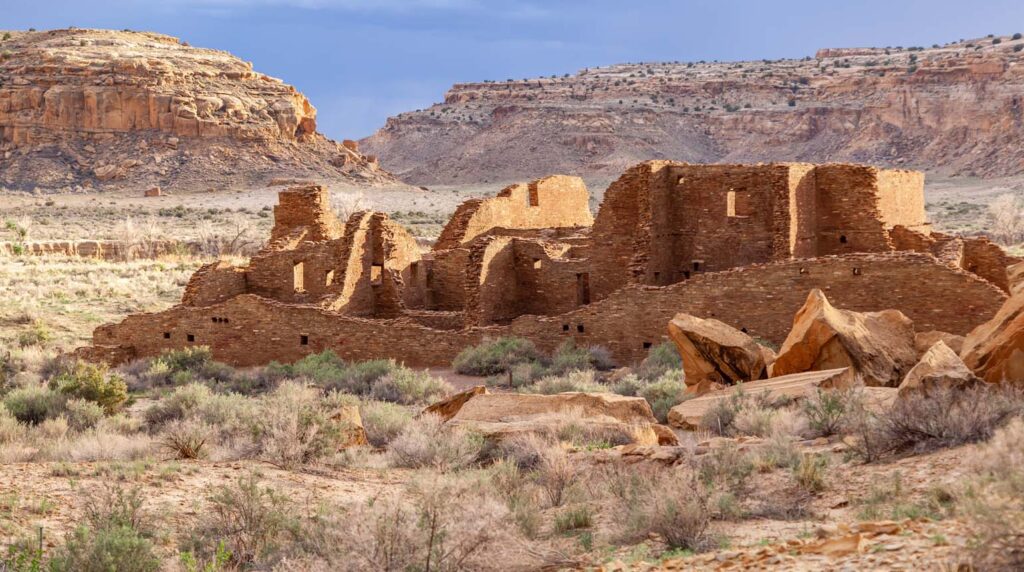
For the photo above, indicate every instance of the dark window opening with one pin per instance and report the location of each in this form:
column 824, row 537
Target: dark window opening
column 579, row 328
column 973, row 268
column 565, row 327
column 647, row 345
column 304, row 340
column 657, row 277
column 190, row 337
column 744, row 330
column 582, row 288
column 215, row 320
column 842, row 238
column 686, row 274
column 414, row 269
column 167, row 335
column 696, row 266
column 856, row 271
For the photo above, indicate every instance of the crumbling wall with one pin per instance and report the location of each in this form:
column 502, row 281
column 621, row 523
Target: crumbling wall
column 304, row 214
column 446, row 279
column 802, row 210
column 761, row 300
column 987, row 260
column 548, row 280
column 491, row 289
column 214, row 283
column 552, row 202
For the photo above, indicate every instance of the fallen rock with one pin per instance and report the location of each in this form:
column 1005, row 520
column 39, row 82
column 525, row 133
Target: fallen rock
column 994, row 351
column 714, row 351
column 447, row 408
column 500, row 415
column 923, row 341
column 351, row 426
column 878, row 346
column 687, row 415
column 666, row 436
column 939, row 367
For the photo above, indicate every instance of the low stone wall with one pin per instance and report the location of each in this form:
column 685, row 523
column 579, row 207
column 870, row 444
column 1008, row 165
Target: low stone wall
column 761, row 300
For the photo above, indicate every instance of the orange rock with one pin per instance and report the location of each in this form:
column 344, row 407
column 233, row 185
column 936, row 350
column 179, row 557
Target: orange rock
column 447, row 408
column 878, row 346
column 716, row 352
column 994, row 351
column 939, row 367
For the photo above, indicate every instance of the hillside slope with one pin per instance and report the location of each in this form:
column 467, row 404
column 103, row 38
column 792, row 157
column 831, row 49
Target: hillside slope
column 106, row 109
column 953, row 109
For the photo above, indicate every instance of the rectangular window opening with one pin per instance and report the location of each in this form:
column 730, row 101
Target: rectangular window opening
column 579, row 328
column 167, row 335
column 190, row 337
column 565, row 327
column 582, row 288
column 298, row 277
column 730, row 204
column 304, row 340
column 647, row 345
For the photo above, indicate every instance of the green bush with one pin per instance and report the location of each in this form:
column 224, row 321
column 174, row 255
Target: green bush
column 582, row 381
column 409, row 387
column 180, row 404
column 82, row 414
column 668, row 391
column 496, row 356
column 660, row 359
column 93, row 383
column 383, row 421
column 37, row 335
column 34, row 404
column 332, row 373
column 119, row 548
column 359, row 378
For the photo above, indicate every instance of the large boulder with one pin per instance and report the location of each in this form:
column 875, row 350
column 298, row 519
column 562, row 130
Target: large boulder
column 923, row 341
column 498, row 416
column 448, row 407
column 878, row 346
column 687, row 415
column 939, row 367
column 714, row 352
column 350, row 425
column 994, row 351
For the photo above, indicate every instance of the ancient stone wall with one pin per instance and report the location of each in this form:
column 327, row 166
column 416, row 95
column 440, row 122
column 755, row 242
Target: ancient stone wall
column 761, row 300
column 304, row 214
column 214, row 283
column 552, row 202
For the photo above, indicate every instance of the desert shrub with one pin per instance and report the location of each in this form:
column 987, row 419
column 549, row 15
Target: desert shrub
column 82, row 414
column 428, row 442
column 495, row 356
column 569, row 357
column 810, row 472
column 868, row 438
column 383, row 421
column 628, row 385
column 720, row 417
column 573, row 381
column 186, row 439
column 670, row 503
column 183, row 402
column 37, row 334
column 409, row 387
column 443, row 524
column 660, row 359
column 360, row 378
column 522, row 374
column 94, row 383
column 753, row 420
column 247, row 520
column 113, row 536
column 34, row 404
column 994, row 504
column 725, row 467
column 574, row 518
column 11, row 430
column 294, row 425
column 779, row 451
column 555, row 474
column 524, row 450
column 824, row 410
column 664, row 393
column 949, row 417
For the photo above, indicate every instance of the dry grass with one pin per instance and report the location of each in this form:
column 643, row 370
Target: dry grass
column 70, row 296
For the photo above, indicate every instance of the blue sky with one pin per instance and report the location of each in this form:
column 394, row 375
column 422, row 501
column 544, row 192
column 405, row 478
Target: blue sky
column 360, row 61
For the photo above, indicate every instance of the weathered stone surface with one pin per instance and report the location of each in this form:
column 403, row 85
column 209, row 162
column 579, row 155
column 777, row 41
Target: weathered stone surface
column 351, row 425
column 939, row 367
column 666, row 436
column 923, row 341
column 715, row 352
column 500, row 415
column 878, row 346
column 447, row 408
column 687, row 415
column 995, row 350
column 121, row 109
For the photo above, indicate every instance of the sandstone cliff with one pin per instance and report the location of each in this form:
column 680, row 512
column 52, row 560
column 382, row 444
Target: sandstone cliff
column 100, row 108
column 953, row 109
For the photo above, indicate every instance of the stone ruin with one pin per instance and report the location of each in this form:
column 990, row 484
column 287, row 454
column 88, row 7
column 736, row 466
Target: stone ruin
column 740, row 244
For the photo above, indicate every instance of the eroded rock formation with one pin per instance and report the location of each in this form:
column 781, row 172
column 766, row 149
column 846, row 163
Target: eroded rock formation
column 953, row 109
column 102, row 108
column 714, row 352
column 939, row 367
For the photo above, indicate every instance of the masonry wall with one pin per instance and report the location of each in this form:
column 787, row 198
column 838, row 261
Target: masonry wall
column 760, row 299
column 800, row 232
column 552, row 202
column 304, row 213
column 213, row 283
column 548, row 280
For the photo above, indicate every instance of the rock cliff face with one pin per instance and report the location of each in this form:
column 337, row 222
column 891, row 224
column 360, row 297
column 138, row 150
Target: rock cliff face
column 82, row 108
column 953, row 109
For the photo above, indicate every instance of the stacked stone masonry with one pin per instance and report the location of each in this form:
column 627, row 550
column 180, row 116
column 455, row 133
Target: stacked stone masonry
column 739, row 243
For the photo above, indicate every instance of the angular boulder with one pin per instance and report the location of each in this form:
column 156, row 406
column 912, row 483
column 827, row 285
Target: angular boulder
column 715, row 352
column 501, row 415
column 994, row 351
column 447, row 408
column 350, row 424
column 939, row 367
column 878, row 346
column 923, row 341
column 687, row 415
